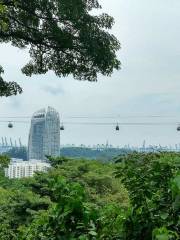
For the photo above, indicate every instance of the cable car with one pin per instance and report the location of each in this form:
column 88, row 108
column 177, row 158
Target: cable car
column 117, row 127
column 62, row 128
column 178, row 128
column 10, row 125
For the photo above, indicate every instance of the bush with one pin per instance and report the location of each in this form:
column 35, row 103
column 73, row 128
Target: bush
column 153, row 184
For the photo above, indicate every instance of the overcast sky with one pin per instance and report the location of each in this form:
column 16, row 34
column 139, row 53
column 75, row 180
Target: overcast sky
column 147, row 84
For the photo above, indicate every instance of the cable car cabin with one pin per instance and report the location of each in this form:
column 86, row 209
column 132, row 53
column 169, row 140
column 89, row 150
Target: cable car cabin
column 117, row 127
column 178, row 128
column 10, row 125
column 62, row 128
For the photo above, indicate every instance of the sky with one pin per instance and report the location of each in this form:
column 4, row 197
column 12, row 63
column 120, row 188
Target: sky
column 148, row 83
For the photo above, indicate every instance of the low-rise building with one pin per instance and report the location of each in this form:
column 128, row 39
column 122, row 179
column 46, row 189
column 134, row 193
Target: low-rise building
column 20, row 169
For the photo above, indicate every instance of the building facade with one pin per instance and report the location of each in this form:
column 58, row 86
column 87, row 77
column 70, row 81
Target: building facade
column 44, row 135
column 20, row 169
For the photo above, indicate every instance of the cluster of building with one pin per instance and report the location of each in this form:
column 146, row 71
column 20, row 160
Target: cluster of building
column 44, row 140
column 20, row 169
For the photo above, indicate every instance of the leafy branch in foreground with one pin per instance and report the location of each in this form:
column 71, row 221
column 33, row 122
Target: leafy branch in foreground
column 62, row 36
column 8, row 88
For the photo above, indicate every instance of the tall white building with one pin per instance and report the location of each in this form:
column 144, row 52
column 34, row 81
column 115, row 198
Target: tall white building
column 44, row 135
column 20, row 169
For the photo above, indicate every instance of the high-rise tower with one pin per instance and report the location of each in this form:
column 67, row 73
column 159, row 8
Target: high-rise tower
column 44, row 136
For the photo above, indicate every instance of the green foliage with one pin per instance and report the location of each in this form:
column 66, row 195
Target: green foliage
column 112, row 222
column 68, row 218
column 82, row 199
column 73, row 217
column 164, row 234
column 8, row 88
column 55, row 161
column 153, row 184
column 175, row 188
column 3, row 12
column 61, row 204
column 97, row 178
column 63, row 37
column 4, row 161
column 17, row 208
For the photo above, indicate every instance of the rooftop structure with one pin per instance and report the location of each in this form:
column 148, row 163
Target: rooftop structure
column 44, row 136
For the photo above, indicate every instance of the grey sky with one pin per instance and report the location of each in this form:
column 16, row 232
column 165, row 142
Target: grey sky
column 148, row 84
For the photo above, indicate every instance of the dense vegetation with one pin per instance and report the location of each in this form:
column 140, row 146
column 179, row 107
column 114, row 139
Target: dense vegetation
column 153, row 183
column 136, row 198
